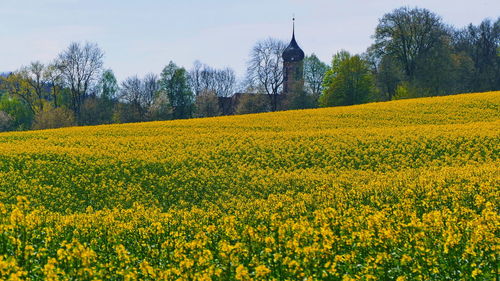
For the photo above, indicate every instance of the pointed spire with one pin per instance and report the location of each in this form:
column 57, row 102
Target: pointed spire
column 293, row 51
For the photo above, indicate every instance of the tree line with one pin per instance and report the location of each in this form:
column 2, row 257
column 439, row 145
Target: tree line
column 414, row 54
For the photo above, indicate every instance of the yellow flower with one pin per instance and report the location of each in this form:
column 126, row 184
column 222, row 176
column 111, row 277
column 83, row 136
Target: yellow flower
column 261, row 271
column 330, row 193
column 405, row 259
column 242, row 273
column 476, row 272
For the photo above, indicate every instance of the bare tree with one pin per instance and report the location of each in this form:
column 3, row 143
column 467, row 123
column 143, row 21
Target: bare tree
column 195, row 81
column 81, row 66
column 34, row 74
column 265, row 68
column 207, row 79
column 53, row 75
column 203, row 79
column 141, row 94
column 151, row 87
column 131, row 91
column 225, row 82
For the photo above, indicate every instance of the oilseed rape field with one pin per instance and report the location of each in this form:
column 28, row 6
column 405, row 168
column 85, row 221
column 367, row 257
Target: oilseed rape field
column 401, row 190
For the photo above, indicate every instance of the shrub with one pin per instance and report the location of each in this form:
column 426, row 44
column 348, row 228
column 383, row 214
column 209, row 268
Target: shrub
column 252, row 103
column 51, row 118
column 207, row 105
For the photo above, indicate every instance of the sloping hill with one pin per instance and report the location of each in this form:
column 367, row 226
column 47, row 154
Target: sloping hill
column 398, row 189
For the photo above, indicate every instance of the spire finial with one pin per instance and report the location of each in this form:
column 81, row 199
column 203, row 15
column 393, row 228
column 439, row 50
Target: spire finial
column 293, row 24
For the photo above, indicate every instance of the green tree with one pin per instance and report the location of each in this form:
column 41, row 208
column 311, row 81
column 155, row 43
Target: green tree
column 21, row 115
column 314, row 73
column 18, row 84
column 436, row 71
column 407, row 35
column 482, row 45
column 388, row 76
column 108, row 85
column 98, row 109
column 347, row 82
column 174, row 83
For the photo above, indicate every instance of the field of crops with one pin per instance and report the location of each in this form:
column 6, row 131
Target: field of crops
column 403, row 190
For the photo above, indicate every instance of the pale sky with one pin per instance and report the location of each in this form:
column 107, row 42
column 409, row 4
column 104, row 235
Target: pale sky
column 141, row 36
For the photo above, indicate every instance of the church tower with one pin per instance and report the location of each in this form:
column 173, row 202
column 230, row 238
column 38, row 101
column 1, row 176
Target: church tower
column 293, row 67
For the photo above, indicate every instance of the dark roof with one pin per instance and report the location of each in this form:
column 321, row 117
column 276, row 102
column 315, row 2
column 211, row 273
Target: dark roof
column 293, row 52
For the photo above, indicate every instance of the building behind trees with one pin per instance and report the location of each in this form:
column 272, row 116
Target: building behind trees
column 414, row 54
